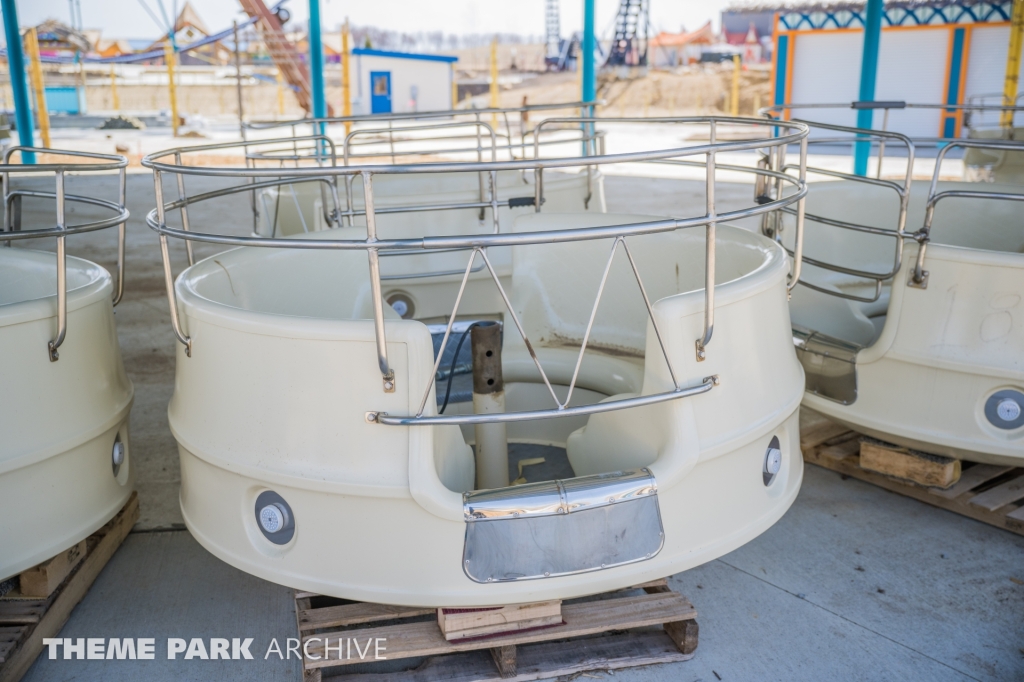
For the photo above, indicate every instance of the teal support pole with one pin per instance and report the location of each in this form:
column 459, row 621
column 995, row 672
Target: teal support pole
column 16, row 64
column 316, row 61
column 868, row 76
column 589, row 79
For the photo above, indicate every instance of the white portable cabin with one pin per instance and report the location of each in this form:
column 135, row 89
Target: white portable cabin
column 401, row 82
column 937, row 52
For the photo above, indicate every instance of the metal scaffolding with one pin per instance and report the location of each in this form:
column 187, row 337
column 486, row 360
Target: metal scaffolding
column 629, row 48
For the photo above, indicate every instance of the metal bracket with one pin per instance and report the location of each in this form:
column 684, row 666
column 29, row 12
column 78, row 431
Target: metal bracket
column 701, row 353
column 922, row 284
column 389, row 381
column 374, row 417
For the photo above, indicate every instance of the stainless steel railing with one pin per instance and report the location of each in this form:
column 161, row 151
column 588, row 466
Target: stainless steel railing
column 12, row 229
column 778, row 134
column 923, row 236
column 772, row 224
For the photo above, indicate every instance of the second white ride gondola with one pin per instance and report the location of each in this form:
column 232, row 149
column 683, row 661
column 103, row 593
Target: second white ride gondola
column 656, row 350
column 909, row 320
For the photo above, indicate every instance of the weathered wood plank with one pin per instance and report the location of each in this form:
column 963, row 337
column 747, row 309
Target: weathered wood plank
column 545, row 660
column 819, row 431
column 354, row 614
column 102, row 545
column 842, row 450
column 504, row 660
column 970, row 479
column 425, row 638
column 458, row 623
column 684, row 633
column 43, row 579
column 910, row 465
column 1001, row 495
column 21, row 611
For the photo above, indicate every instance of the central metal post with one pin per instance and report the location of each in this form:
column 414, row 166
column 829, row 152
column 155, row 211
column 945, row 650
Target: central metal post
column 489, row 398
column 868, row 76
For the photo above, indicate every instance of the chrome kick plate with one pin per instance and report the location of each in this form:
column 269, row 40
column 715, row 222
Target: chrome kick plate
column 556, row 528
column 830, row 365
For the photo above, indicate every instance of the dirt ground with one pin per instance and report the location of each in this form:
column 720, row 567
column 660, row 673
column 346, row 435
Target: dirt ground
column 688, row 90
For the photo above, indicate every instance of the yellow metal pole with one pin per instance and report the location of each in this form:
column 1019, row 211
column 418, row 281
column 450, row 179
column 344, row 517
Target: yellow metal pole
column 734, row 109
column 169, row 60
column 1013, row 62
column 455, row 92
column 346, row 87
column 280, row 93
column 36, row 72
column 494, row 81
column 113, row 90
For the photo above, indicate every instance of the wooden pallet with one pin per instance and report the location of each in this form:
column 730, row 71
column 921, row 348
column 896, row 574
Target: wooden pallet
column 25, row 622
column 984, row 492
column 598, row 633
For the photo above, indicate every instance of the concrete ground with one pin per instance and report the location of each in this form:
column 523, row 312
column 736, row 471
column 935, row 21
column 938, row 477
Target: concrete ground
column 853, row 583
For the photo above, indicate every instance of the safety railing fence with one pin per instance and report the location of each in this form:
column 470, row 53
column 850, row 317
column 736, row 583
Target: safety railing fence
column 923, row 236
column 782, row 133
column 772, row 225
column 511, row 126
column 14, row 230
column 979, row 106
column 414, row 137
column 986, row 111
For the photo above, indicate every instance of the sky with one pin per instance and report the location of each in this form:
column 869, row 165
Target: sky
column 128, row 19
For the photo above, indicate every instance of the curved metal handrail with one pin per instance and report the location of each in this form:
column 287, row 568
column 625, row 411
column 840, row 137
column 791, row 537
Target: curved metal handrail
column 12, row 231
column 902, row 190
column 785, row 133
column 923, row 236
column 417, row 115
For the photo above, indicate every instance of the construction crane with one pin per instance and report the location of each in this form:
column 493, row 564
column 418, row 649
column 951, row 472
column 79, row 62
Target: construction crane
column 629, row 47
column 284, row 54
column 552, row 33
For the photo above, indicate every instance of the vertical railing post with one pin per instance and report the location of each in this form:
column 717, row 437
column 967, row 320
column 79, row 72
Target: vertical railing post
column 161, row 219
column 184, row 209
column 62, row 283
column 709, row 250
column 798, row 245
column 387, row 374
column 479, row 159
column 121, row 230
column 881, row 141
column 238, row 80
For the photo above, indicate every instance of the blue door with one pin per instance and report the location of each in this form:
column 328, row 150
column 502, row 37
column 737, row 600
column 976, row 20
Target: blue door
column 380, row 92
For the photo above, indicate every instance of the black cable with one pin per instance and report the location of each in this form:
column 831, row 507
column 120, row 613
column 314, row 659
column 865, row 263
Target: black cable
column 451, row 371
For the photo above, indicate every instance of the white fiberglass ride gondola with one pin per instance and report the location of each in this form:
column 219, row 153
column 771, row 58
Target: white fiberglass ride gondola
column 659, row 356
column 910, row 320
column 65, row 468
